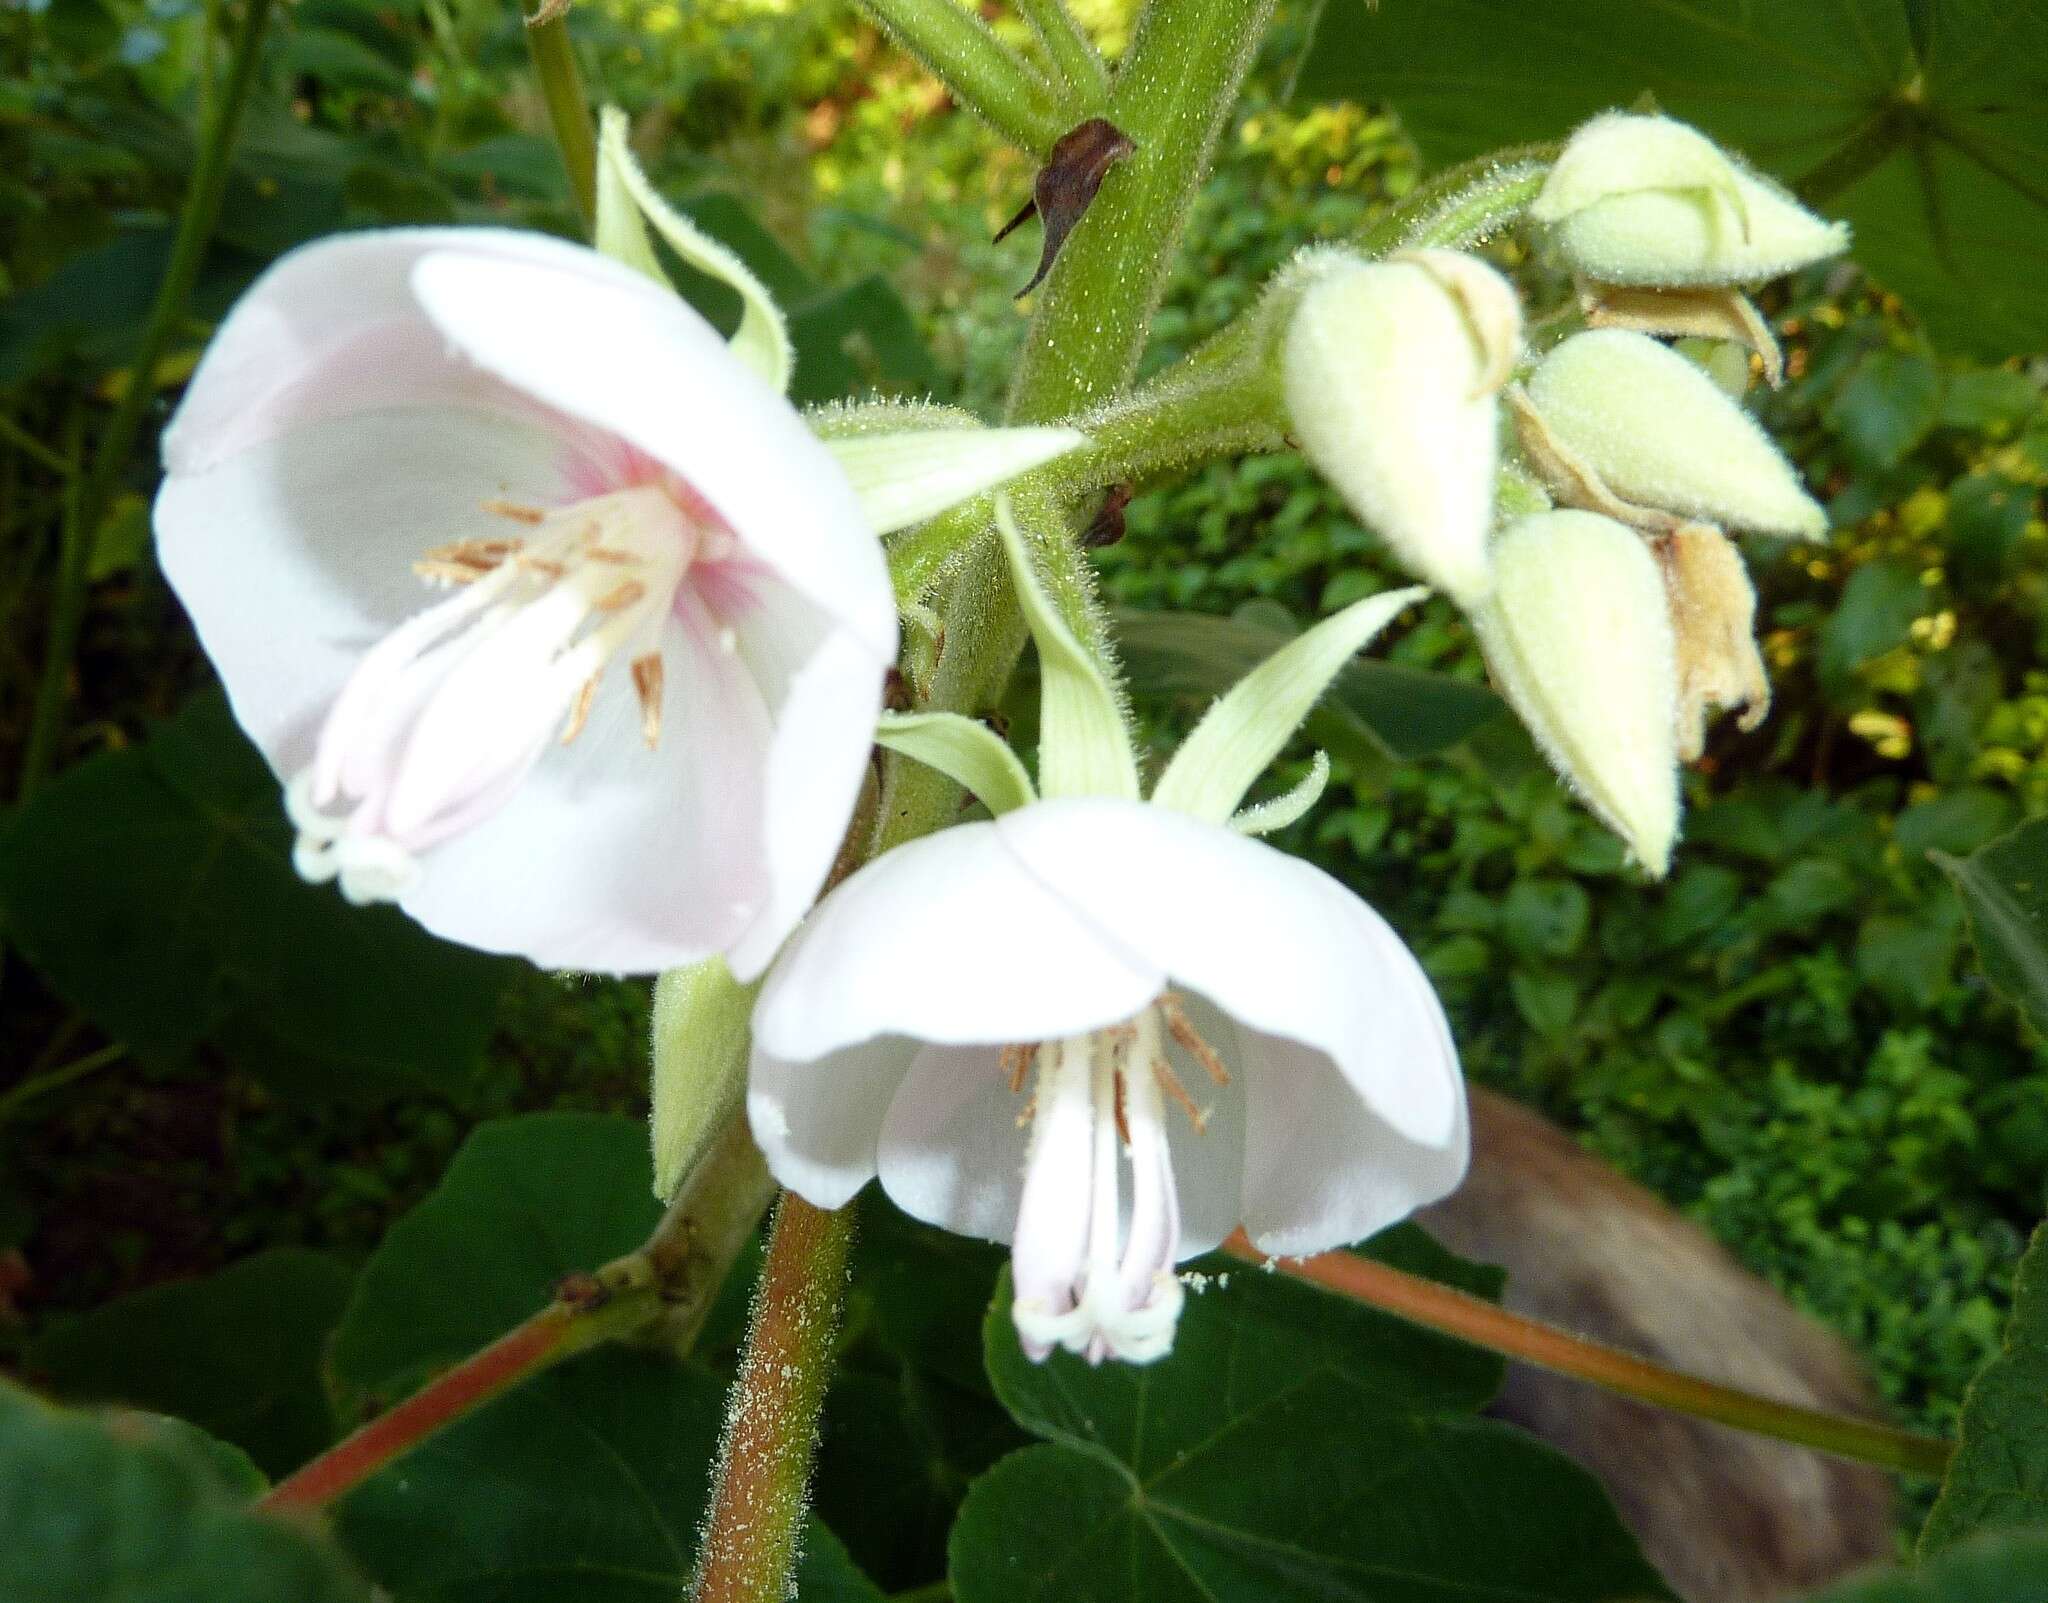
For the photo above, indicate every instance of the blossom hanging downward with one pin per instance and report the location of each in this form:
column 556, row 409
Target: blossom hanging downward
column 1109, row 1031
column 630, row 730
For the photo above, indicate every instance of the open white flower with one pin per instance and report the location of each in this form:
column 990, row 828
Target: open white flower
column 1108, row 1031
column 630, row 731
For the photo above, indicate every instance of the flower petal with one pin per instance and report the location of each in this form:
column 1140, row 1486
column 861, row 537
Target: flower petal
column 1321, row 1169
column 294, row 558
column 333, row 329
column 824, row 689
column 952, row 1144
column 612, row 858
column 632, row 358
column 972, row 949
column 1275, row 943
column 817, row 1122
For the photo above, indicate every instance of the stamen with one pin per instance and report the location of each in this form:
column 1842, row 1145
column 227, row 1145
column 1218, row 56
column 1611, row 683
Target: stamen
column 579, row 713
column 517, row 511
column 604, row 553
column 1191, row 1040
column 1120, row 1103
column 1015, row 1061
column 1162, row 1071
column 647, row 681
column 464, row 561
column 620, row 596
column 545, row 566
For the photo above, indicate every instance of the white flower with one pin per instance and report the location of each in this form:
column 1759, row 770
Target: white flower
column 1579, row 638
column 631, row 731
column 1109, row 1031
column 1662, row 434
column 1391, row 370
column 1649, row 201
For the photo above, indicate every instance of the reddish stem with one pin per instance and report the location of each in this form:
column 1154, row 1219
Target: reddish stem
column 1484, row 1324
column 525, row 1350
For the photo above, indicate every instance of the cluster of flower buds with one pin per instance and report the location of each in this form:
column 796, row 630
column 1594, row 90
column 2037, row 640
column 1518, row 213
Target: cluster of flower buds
column 1594, row 563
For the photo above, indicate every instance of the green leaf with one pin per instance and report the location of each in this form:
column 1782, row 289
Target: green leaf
column 1886, row 406
column 153, row 888
column 1999, row 1475
column 339, row 61
column 2004, row 887
column 1930, row 141
column 1403, row 711
column 585, row 1485
column 238, row 1353
column 1281, row 1453
column 143, row 1510
column 526, row 1201
column 1876, row 611
column 1999, row 1569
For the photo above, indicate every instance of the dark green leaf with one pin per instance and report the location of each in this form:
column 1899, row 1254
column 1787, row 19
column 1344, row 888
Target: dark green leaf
column 238, row 1353
column 1877, row 608
column 1403, row 711
column 526, row 1201
column 859, row 338
column 2004, row 887
column 1281, row 1453
column 585, row 1485
column 1886, row 406
column 136, row 1508
column 154, row 889
column 1998, row 1569
column 1999, row 1475
column 1934, row 156
column 340, row 61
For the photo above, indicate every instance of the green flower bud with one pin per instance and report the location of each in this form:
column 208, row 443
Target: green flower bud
column 701, row 1041
column 1391, row 370
column 1578, row 636
column 1660, row 433
column 1646, row 200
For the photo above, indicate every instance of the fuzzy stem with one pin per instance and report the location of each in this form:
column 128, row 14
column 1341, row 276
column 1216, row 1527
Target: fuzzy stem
column 668, row 1283
column 1464, row 206
column 1483, row 1324
column 764, row 1462
column 188, row 250
column 561, row 86
column 981, row 72
column 1076, row 64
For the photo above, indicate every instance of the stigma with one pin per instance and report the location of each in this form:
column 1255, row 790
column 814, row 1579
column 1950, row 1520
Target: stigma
column 445, row 716
column 1091, row 1275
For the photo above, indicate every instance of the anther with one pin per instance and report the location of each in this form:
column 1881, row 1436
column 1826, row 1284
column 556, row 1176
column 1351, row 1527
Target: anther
column 517, row 511
column 579, row 712
column 1191, row 1040
column 1015, row 1062
column 621, row 596
column 647, row 682
column 1162, row 1071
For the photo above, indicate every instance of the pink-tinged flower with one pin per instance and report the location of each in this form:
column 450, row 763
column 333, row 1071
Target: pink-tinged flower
column 1109, row 1030
column 561, row 628
column 1107, row 1033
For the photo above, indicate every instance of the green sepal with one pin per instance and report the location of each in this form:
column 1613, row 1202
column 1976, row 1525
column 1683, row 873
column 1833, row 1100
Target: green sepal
column 627, row 202
column 1279, row 811
column 702, row 1040
column 1083, row 748
column 1247, row 727
column 964, row 749
column 908, row 475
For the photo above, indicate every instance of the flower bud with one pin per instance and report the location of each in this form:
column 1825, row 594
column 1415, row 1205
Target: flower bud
column 1578, row 636
column 1646, row 200
column 1391, row 369
column 1659, row 432
column 701, row 1042
column 1713, row 620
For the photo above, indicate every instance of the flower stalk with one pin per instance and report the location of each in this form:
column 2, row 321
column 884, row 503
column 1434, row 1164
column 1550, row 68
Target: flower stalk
column 980, row 71
column 1484, row 1324
column 561, row 87
column 764, row 1462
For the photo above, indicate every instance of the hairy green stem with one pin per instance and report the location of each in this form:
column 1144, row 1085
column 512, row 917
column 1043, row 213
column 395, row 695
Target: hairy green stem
column 561, row 87
column 117, row 444
column 771, row 1430
column 1463, row 206
column 977, row 68
column 1077, row 65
